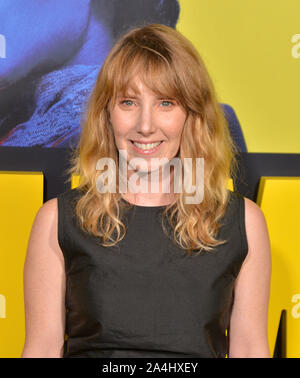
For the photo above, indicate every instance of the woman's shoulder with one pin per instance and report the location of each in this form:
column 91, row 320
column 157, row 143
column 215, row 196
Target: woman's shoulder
column 252, row 208
column 255, row 220
column 249, row 205
column 69, row 193
column 256, row 230
column 253, row 215
column 50, row 208
column 68, row 198
column 45, row 225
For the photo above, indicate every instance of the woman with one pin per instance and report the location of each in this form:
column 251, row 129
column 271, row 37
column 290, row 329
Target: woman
column 124, row 273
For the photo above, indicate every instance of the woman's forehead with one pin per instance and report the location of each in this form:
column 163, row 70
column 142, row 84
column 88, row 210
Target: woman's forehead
column 138, row 84
column 134, row 84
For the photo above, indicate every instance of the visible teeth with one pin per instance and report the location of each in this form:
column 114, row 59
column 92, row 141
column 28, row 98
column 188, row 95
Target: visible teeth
column 148, row 146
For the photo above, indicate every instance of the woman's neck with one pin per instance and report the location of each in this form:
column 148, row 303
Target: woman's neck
column 150, row 189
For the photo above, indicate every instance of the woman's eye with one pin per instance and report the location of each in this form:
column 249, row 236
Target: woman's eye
column 164, row 103
column 167, row 103
column 127, row 102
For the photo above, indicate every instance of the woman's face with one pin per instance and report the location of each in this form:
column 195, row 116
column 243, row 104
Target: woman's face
column 147, row 126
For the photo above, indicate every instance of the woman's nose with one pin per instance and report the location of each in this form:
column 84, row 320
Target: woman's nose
column 145, row 124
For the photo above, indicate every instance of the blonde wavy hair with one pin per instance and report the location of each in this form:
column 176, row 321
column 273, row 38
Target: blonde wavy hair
column 170, row 66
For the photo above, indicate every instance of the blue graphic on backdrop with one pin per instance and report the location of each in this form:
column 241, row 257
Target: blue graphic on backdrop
column 53, row 54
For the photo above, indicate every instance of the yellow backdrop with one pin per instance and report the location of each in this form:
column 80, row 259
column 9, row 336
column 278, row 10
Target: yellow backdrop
column 21, row 195
column 248, row 49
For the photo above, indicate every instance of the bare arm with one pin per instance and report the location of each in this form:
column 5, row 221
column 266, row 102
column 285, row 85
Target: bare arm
column 44, row 287
column 249, row 318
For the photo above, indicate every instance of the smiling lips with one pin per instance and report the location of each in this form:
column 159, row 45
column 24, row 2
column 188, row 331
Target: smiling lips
column 146, row 148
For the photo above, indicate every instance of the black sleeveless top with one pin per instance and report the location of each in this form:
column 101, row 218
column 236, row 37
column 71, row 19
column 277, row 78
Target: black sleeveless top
column 147, row 297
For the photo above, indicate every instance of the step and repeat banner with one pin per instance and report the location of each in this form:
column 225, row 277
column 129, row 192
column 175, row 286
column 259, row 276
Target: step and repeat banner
column 50, row 55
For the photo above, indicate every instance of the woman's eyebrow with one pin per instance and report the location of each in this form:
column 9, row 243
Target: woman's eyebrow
column 127, row 95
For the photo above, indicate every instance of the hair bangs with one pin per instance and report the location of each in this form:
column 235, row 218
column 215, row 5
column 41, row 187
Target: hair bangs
column 151, row 68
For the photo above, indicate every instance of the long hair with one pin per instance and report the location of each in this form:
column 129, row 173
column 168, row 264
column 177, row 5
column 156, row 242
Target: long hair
column 171, row 67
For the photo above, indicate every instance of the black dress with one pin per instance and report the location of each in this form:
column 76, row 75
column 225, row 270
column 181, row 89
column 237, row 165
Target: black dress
column 146, row 297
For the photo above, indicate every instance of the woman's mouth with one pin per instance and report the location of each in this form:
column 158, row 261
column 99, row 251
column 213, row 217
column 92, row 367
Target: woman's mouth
column 146, row 148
